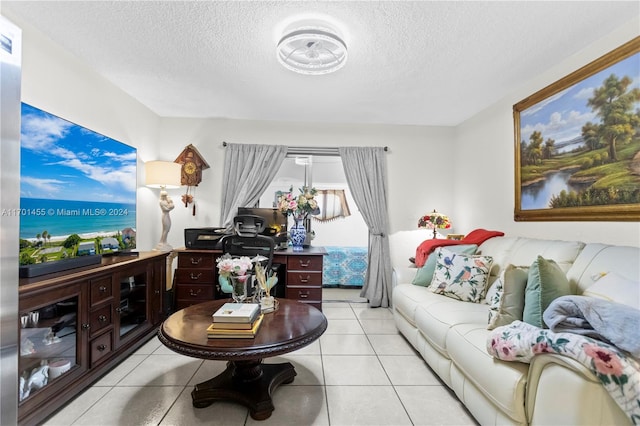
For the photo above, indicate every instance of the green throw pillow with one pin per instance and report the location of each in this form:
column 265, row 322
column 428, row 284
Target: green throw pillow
column 425, row 274
column 546, row 282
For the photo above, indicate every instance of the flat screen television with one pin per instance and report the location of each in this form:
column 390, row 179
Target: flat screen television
column 275, row 220
column 77, row 194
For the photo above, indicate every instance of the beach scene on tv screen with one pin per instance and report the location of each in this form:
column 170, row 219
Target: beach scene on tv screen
column 77, row 190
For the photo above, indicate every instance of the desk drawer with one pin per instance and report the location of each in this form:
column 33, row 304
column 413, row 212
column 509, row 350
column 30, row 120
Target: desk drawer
column 100, row 319
column 304, row 263
column 195, row 276
column 305, row 294
column 101, row 290
column 101, row 347
column 310, row 279
column 196, row 292
column 196, row 260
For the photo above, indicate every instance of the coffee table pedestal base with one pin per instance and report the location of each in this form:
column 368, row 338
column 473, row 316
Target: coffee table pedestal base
column 249, row 383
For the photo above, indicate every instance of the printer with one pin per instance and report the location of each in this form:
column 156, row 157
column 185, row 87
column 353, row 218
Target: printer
column 203, row 238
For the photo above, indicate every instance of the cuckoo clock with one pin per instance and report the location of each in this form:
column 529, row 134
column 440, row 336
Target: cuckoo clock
column 192, row 166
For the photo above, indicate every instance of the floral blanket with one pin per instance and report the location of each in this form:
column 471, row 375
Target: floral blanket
column 618, row 372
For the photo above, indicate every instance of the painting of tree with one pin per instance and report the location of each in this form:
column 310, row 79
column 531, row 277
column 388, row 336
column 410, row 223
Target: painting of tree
column 578, row 143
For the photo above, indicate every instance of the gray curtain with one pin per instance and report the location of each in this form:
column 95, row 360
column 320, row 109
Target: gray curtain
column 366, row 172
column 248, row 171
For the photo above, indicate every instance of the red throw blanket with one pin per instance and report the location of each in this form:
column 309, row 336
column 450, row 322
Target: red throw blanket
column 477, row 236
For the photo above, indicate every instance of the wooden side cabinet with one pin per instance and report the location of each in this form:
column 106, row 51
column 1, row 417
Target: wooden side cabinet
column 78, row 324
column 196, row 278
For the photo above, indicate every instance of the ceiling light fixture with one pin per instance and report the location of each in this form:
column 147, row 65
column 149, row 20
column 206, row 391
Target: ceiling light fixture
column 312, row 51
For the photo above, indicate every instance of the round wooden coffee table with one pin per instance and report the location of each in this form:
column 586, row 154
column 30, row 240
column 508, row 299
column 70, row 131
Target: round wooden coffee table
column 246, row 379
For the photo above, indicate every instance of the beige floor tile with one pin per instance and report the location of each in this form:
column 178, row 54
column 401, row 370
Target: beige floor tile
column 220, row 413
column 345, row 344
column 162, row 370
column 76, row 408
column 365, row 405
column 339, row 313
column 408, row 370
column 208, row 370
column 353, row 370
column 122, row 370
column 379, row 326
column 386, row 344
column 364, row 312
column 149, row 347
column 433, row 405
column 133, row 406
column 344, row 326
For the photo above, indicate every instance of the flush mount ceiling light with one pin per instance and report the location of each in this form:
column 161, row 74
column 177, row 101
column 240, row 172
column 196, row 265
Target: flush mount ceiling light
column 312, row 51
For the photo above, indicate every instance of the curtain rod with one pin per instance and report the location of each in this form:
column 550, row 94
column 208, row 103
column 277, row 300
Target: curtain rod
column 312, row 150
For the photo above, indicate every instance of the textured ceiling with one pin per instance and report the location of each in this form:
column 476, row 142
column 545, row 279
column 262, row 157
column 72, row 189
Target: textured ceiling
column 420, row 63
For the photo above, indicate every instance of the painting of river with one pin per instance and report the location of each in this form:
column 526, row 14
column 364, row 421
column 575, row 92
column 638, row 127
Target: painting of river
column 578, row 143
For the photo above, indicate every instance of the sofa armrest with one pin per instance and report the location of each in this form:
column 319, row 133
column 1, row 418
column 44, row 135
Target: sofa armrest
column 403, row 275
column 562, row 391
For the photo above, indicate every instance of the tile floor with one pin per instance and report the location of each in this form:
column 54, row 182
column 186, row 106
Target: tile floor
column 360, row 372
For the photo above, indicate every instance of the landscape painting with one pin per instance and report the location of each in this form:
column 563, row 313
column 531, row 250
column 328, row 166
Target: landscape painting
column 77, row 191
column 577, row 144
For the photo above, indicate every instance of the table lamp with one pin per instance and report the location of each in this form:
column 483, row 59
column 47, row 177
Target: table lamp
column 163, row 175
column 435, row 221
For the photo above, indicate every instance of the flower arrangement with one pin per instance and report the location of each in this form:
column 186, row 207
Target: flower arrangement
column 298, row 206
column 234, row 266
column 434, row 220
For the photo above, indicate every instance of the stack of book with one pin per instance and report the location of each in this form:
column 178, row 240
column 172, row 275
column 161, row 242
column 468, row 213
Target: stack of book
column 235, row 321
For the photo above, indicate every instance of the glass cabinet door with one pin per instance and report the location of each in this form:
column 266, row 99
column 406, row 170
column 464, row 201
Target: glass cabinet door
column 48, row 345
column 132, row 307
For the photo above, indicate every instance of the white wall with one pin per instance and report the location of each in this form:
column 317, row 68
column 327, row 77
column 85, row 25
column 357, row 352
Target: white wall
column 485, row 185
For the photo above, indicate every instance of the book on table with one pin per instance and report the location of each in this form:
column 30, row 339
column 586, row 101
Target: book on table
column 232, row 333
column 237, row 313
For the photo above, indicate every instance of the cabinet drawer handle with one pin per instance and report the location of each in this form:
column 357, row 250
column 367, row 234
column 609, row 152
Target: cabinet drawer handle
column 303, row 295
column 196, row 261
column 102, row 318
column 305, row 264
column 102, row 289
column 304, row 280
column 194, row 276
column 85, row 326
column 157, row 292
column 101, row 347
column 194, row 293
column 118, row 309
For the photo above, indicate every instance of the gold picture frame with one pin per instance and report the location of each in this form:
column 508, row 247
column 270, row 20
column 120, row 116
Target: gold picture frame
column 577, row 144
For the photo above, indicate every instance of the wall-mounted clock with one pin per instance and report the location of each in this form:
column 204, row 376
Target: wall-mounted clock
column 192, row 166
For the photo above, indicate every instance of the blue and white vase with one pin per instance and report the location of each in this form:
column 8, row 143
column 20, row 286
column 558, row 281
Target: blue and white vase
column 298, row 234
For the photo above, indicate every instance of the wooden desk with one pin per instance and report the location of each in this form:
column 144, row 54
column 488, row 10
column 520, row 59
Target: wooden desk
column 246, row 380
column 299, row 278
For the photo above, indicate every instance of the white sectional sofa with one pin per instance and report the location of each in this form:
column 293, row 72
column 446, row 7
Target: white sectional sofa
column 451, row 336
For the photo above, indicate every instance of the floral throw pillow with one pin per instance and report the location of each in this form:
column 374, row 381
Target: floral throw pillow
column 460, row 276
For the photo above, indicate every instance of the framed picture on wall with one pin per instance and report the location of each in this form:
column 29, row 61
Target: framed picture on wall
column 577, row 144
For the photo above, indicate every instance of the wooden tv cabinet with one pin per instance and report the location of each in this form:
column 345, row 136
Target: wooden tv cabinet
column 299, row 278
column 80, row 323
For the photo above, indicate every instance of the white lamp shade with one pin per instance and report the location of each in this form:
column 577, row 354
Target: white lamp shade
column 162, row 174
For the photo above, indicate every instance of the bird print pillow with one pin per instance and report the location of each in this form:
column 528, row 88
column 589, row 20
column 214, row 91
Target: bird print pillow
column 460, row 276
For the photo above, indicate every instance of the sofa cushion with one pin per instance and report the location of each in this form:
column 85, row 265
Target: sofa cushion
column 460, row 276
column 545, row 282
column 408, row 297
column 510, row 298
column 436, row 319
column 616, row 288
column 425, row 274
column 503, row 383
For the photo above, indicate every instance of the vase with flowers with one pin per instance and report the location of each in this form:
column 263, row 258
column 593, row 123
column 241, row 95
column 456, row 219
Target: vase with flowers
column 298, row 207
column 234, row 276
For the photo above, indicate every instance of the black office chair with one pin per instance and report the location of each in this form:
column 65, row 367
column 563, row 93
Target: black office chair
column 247, row 241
